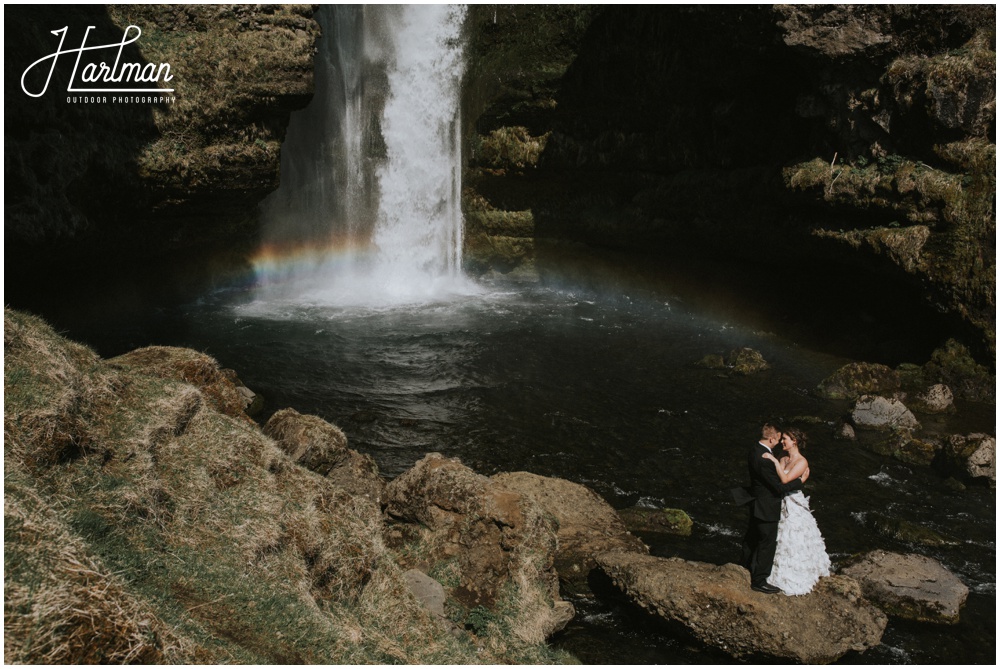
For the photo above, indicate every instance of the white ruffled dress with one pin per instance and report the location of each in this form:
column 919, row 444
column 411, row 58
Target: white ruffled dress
column 800, row 558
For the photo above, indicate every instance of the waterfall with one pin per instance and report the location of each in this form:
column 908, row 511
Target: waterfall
column 368, row 211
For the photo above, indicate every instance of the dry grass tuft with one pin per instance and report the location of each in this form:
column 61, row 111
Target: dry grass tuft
column 61, row 605
column 54, row 383
column 198, row 369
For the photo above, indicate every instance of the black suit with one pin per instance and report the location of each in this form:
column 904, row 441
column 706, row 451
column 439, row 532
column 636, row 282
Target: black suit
column 766, row 491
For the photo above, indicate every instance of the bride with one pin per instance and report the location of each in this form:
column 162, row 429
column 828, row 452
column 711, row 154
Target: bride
column 800, row 558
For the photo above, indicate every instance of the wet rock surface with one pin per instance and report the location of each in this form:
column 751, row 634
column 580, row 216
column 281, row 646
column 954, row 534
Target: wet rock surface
column 856, row 379
column 716, row 604
column 973, row 455
column 882, row 413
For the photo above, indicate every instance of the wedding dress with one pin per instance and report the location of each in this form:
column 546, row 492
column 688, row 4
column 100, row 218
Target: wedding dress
column 800, row 558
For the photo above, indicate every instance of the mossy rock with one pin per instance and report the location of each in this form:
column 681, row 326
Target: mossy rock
column 746, row 361
column 900, row 444
column 911, row 533
column 504, row 254
column 910, row 375
column 510, row 148
column 663, row 521
column 712, row 361
column 856, row 379
column 499, row 222
column 954, row 366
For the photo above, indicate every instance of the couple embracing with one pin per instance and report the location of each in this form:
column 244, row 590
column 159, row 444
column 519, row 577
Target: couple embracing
column 783, row 548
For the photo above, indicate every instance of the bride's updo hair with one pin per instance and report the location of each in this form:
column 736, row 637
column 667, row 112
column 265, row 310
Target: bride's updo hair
column 798, row 436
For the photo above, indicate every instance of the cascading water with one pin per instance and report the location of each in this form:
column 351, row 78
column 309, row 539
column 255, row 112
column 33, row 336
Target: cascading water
column 368, row 212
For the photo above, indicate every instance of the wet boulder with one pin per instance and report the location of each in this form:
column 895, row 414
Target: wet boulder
column 498, row 546
column 856, row 379
column 880, row 413
column 973, row 455
column 716, row 604
column 901, row 444
column 904, row 530
column 936, row 399
column 746, row 361
column 587, row 524
column 909, row 586
column 845, row 432
column 953, row 365
column 712, row 361
column 321, row 447
column 657, row 521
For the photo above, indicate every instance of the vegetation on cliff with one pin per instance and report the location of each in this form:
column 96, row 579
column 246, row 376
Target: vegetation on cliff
column 856, row 141
column 929, row 176
column 91, row 178
column 144, row 524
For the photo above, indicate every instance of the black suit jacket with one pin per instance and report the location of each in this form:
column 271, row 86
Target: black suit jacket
column 766, row 487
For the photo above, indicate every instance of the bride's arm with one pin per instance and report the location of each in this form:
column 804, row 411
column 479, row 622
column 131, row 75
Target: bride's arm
column 795, row 472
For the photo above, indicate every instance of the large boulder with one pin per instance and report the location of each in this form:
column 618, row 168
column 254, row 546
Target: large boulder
column 901, row 444
column 587, row 525
column 938, row 398
column 880, row 413
column 717, row 605
column 856, row 379
column 321, row 447
column 497, row 546
column 973, row 455
column 952, row 364
column 746, row 361
column 909, row 586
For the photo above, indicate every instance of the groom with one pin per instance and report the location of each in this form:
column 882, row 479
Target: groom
column 766, row 491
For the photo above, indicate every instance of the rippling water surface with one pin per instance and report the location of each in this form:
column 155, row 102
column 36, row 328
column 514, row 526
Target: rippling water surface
column 603, row 390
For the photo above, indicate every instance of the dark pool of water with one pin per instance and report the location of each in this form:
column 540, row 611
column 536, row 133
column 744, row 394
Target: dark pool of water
column 601, row 389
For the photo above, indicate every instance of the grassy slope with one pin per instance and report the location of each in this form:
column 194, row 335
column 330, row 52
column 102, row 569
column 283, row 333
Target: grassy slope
column 138, row 515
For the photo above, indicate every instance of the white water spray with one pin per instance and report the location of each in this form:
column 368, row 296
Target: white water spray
column 369, row 208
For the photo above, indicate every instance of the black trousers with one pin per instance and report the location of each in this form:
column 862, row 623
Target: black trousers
column 759, row 545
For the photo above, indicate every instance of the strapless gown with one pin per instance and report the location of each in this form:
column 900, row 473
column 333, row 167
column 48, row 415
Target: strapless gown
column 800, row 558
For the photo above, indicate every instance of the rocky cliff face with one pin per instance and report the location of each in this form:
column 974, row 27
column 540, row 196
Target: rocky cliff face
column 88, row 182
column 854, row 145
column 849, row 147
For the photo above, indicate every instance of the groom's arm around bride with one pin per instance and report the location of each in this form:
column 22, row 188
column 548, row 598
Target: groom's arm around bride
column 765, row 493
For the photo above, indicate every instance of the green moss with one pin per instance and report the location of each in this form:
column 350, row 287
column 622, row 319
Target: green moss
column 509, row 148
column 746, row 361
column 954, row 366
column 908, row 532
column 665, row 521
column 501, row 223
column 712, row 361
column 900, row 444
column 856, row 379
column 519, row 52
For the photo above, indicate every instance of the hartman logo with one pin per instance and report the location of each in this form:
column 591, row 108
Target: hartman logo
column 125, row 81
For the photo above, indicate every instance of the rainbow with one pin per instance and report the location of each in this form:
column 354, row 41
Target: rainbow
column 278, row 263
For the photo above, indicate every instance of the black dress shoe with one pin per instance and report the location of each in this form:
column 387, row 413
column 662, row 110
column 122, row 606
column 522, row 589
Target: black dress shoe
column 766, row 588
